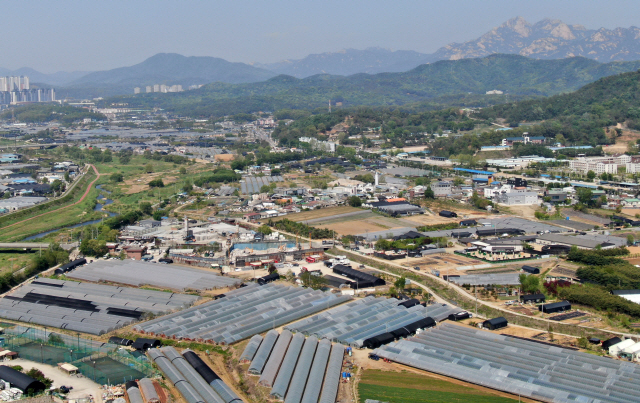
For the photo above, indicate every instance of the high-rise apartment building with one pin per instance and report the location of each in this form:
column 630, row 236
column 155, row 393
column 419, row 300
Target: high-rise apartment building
column 136, row 90
column 16, row 89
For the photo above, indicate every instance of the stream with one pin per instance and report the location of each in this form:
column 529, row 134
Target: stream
column 102, row 201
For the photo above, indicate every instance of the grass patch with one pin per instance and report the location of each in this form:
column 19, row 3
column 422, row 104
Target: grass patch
column 416, row 388
column 11, row 260
column 78, row 213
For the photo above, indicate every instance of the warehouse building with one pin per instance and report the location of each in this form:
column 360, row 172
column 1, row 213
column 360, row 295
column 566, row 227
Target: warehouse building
column 615, row 349
column 555, row 307
column 532, row 298
column 495, row 323
column 531, row 269
column 19, row 380
column 631, row 295
column 569, row 241
column 359, row 278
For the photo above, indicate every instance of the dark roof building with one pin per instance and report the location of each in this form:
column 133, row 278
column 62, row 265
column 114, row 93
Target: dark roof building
column 269, row 278
column 495, row 323
column 531, row 269
column 612, row 341
column 533, row 298
column 468, row 223
column 144, row 344
column 555, row 307
column 120, row 341
column 448, row 214
column 19, row 380
column 359, row 279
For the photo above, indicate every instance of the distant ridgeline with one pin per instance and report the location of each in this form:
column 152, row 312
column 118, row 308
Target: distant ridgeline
column 445, row 83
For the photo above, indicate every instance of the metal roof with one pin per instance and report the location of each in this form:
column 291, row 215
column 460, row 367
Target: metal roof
column 530, row 369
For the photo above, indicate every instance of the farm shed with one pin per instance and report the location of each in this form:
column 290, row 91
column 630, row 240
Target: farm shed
column 70, row 266
column 617, row 348
column 495, row 323
column 459, row 316
column 120, row 341
column 142, row 343
column 268, row 278
column 468, row 223
column 610, row 342
column 379, row 340
column 19, row 380
column 360, row 279
column 531, row 269
column 448, row 214
column 555, row 307
column 533, row 298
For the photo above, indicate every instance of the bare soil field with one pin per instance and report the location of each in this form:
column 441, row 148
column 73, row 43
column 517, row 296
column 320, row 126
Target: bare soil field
column 358, row 226
column 631, row 212
column 319, row 213
column 620, row 146
column 140, row 183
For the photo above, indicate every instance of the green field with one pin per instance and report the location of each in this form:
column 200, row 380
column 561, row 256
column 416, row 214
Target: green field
column 70, row 215
column 12, row 260
column 405, row 387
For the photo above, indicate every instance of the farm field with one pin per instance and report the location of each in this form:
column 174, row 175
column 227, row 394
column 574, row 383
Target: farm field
column 417, row 388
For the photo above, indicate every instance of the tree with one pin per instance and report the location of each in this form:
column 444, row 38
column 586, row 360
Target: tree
column 148, row 168
column 560, row 138
column 354, row 201
column 156, row 183
column 183, row 171
column 630, row 240
column 125, row 159
column 591, row 175
column 264, row 229
column 312, row 281
column 116, row 177
column 265, row 189
column 429, row 194
column 146, row 208
column 67, row 178
column 529, row 284
column 187, row 187
column 400, row 283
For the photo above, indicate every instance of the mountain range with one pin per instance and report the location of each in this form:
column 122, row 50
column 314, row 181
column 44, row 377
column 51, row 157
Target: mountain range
column 546, row 39
column 462, row 81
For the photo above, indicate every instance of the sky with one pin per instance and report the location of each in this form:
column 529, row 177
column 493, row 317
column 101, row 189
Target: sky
column 81, row 35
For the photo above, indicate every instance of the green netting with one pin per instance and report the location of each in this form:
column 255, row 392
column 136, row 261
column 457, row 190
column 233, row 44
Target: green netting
column 107, row 371
column 105, row 363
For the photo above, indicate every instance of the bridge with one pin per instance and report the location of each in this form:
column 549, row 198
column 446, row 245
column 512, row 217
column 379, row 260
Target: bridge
column 24, row 245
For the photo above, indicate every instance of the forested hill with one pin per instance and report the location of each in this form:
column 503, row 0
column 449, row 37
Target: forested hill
column 513, row 74
column 580, row 116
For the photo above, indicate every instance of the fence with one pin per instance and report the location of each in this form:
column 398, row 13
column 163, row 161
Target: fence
column 103, row 362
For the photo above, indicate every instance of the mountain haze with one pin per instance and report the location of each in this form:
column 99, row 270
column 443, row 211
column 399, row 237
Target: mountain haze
column 350, row 61
column 168, row 68
column 516, row 75
column 546, row 39
column 549, row 39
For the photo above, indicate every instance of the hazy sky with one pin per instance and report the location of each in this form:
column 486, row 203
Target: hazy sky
column 53, row 35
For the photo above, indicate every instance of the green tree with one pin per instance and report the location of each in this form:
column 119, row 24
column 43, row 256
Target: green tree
column 146, row 208
column 354, row 201
column 591, row 175
column 148, row 168
column 400, row 283
column 116, row 177
column 458, row 181
column 630, row 240
column 530, row 284
column 265, row 189
column 264, row 229
column 183, row 171
column 156, row 183
column 429, row 194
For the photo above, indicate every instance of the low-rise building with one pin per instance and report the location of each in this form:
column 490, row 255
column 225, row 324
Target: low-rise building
column 442, row 189
column 517, row 198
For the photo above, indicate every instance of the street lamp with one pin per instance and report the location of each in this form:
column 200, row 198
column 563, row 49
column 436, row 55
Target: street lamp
column 94, row 371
